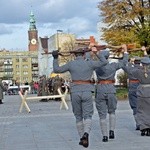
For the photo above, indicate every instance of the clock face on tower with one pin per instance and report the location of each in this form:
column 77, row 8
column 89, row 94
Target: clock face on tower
column 33, row 41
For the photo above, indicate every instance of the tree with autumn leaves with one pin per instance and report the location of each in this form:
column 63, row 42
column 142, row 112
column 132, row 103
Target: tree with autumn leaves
column 126, row 21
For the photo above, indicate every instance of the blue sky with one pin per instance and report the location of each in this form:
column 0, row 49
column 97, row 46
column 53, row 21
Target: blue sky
column 79, row 17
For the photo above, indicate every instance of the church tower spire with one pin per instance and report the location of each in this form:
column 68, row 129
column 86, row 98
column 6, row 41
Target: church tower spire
column 32, row 22
column 32, row 34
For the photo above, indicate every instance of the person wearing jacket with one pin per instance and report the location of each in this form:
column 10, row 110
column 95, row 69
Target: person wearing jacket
column 133, row 83
column 106, row 101
column 143, row 95
column 2, row 89
column 81, row 89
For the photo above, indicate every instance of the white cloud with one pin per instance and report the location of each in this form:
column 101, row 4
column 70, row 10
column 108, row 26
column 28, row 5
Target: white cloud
column 76, row 16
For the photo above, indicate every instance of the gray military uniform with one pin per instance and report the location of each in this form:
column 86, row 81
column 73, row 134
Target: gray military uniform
column 81, row 94
column 143, row 95
column 106, row 101
column 132, row 88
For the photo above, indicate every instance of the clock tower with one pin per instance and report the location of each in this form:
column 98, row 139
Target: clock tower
column 32, row 34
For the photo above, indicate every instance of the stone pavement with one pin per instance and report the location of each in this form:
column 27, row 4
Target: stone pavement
column 49, row 128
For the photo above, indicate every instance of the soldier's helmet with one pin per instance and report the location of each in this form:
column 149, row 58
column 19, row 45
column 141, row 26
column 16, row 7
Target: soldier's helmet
column 145, row 60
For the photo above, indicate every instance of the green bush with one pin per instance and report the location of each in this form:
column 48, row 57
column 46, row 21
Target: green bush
column 122, row 93
column 122, row 78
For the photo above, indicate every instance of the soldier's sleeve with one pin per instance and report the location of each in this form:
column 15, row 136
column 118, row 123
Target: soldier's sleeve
column 122, row 62
column 102, row 61
column 59, row 69
column 126, row 68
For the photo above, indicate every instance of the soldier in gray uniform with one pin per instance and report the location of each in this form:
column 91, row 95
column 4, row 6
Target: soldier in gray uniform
column 133, row 84
column 106, row 101
column 81, row 89
column 143, row 96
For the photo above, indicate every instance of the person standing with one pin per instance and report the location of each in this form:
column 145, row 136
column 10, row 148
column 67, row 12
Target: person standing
column 2, row 89
column 39, row 92
column 35, row 86
column 81, row 89
column 133, row 84
column 143, row 95
column 32, row 87
column 44, row 88
column 106, row 100
column 57, row 85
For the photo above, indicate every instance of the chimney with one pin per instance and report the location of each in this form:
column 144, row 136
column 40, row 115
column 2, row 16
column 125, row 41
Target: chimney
column 92, row 39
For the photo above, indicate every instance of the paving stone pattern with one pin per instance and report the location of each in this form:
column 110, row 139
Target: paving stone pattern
column 49, row 128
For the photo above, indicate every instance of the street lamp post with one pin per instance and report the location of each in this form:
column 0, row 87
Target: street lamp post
column 58, row 31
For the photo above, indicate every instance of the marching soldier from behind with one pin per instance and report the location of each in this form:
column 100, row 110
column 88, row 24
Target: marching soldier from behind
column 106, row 101
column 143, row 95
column 81, row 89
column 133, row 83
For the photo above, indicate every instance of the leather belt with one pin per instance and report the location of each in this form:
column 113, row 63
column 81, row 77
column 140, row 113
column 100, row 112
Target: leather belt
column 133, row 81
column 82, row 81
column 106, row 81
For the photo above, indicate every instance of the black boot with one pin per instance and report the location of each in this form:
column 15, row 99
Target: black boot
column 81, row 142
column 105, row 139
column 1, row 101
column 137, row 127
column 148, row 132
column 84, row 141
column 111, row 134
column 143, row 132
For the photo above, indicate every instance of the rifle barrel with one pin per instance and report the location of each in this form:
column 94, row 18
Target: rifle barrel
column 112, row 48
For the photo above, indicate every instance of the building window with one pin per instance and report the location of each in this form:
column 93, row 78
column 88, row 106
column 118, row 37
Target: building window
column 8, row 73
column 8, row 67
column 25, row 66
column 24, row 60
column 25, row 72
column 34, row 60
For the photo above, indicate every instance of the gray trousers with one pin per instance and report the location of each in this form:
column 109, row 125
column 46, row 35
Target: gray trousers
column 82, row 106
column 133, row 97
column 105, row 103
column 143, row 112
